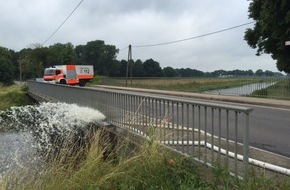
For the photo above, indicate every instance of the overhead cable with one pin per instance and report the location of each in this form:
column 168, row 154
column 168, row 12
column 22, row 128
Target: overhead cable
column 63, row 22
column 191, row 38
column 123, row 48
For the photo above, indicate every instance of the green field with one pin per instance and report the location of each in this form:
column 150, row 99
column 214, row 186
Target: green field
column 180, row 84
column 281, row 90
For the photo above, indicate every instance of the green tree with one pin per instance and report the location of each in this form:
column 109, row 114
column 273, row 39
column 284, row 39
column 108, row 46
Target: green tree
column 33, row 62
column 250, row 73
column 61, row 54
column 34, row 59
column 123, row 68
column 138, row 70
column 98, row 54
column 8, row 64
column 169, row 72
column 271, row 30
column 115, row 69
column 259, row 72
column 218, row 73
column 4, row 53
column 152, row 68
column 269, row 73
column 6, row 71
column 190, row 72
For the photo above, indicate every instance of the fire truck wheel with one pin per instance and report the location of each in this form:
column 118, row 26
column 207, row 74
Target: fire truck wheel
column 62, row 81
column 82, row 82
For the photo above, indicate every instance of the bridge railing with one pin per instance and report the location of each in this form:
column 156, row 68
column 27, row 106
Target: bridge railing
column 208, row 132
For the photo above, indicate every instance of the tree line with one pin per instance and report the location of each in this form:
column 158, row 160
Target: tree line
column 32, row 61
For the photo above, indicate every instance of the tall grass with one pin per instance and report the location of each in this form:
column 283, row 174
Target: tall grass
column 14, row 95
column 280, row 90
column 149, row 166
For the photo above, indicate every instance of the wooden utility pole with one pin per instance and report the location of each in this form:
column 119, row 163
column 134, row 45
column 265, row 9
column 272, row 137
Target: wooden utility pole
column 129, row 65
column 20, row 71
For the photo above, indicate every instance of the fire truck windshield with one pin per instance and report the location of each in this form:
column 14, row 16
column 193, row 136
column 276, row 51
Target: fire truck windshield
column 48, row 72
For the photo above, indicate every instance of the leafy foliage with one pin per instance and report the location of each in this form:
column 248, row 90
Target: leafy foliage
column 6, row 67
column 6, row 71
column 61, row 54
column 152, row 68
column 99, row 55
column 169, row 72
column 271, row 30
column 138, row 69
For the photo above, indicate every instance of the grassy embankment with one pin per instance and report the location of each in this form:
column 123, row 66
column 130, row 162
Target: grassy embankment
column 14, row 95
column 149, row 167
column 179, row 84
column 279, row 90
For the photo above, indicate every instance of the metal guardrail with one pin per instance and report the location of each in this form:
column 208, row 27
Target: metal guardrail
column 209, row 133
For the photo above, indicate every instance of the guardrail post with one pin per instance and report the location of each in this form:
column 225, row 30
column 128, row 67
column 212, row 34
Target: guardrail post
column 246, row 146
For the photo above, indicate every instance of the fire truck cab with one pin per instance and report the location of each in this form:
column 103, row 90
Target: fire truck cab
column 69, row 74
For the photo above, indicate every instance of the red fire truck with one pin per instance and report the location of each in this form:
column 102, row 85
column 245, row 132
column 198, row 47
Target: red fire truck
column 69, row 74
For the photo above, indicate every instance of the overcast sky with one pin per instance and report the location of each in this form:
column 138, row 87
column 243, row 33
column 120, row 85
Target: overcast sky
column 140, row 22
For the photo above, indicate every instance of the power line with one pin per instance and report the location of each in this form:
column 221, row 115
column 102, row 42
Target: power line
column 63, row 22
column 195, row 37
column 123, row 48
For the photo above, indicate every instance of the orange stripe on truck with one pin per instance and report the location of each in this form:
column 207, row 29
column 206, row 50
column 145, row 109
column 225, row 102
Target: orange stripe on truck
column 85, row 76
column 71, row 67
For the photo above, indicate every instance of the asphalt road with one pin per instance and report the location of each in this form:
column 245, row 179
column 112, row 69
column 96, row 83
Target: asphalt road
column 270, row 129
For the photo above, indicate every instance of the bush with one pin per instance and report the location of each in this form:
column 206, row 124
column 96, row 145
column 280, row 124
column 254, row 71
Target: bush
column 6, row 72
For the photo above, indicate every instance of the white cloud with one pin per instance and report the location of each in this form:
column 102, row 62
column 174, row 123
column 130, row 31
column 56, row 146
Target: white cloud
column 139, row 22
